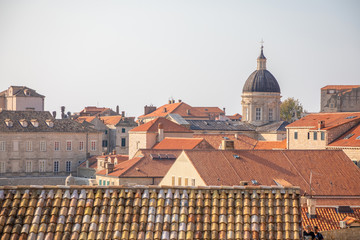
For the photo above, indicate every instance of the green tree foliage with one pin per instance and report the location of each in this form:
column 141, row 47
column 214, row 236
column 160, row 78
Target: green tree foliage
column 291, row 110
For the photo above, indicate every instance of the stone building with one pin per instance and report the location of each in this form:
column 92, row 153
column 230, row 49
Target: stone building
column 327, row 131
column 21, row 98
column 147, row 135
column 33, row 143
column 261, row 96
column 340, row 98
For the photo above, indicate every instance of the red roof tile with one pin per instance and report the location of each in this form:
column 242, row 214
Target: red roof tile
column 340, row 87
column 180, row 108
column 327, row 218
column 178, row 143
column 168, row 126
column 111, row 120
column 209, row 110
column 349, row 139
column 331, row 120
column 120, row 168
column 85, row 118
column 333, row 173
column 271, row 144
column 240, row 141
column 236, row 116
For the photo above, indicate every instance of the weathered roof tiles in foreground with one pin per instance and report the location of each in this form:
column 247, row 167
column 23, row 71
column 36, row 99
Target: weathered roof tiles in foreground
column 149, row 213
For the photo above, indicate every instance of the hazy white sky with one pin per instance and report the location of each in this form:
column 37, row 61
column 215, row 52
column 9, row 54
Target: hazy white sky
column 133, row 53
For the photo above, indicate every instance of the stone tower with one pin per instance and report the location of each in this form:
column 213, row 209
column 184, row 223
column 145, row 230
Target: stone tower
column 261, row 95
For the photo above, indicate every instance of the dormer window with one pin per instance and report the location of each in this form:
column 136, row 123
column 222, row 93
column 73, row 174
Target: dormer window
column 9, row 123
column 27, row 92
column 35, row 122
column 23, row 123
column 50, row 123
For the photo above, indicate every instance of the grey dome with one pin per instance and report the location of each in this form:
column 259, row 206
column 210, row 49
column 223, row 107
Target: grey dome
column 261, row 81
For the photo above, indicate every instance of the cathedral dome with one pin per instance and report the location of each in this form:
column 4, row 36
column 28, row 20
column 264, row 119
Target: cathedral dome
column 261, row 80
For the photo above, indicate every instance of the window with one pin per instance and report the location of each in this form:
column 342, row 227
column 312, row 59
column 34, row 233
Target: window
column 106, row 132
column 42, row 166
column 108, row 183
column 295, row 135
column 258, row 114
column 322, row 135
column 186, row 181
column 28, row 145
column 270, row 114
column 308, row 135
column 2, row 167
column 42, row 146
column 123, row 142
column 57, row 146
column 173, row 181
column 104, row 143
column 93, row 145
column 100, row 182
column 68, row 166
column 68, row 146
column 81, row 146
column 349, row 136
column 28, row 166
column 2, row 146
column 193, row 182
column 56, row 166
column 123, row 130
column 15, row 146
column 179, row 181
column 315, row 135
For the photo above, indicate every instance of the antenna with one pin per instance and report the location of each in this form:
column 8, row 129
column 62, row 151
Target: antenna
column 310, row 181
column 262, row 43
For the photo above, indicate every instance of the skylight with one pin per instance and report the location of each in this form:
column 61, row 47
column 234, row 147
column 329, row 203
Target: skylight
column 358, row 137
column 350, row 117
column 349, row 136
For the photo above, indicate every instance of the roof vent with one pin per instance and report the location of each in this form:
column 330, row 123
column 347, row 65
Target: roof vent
column 9, row 123
column 344, row 209
column 236, row 156
column 35, row 122
column 349, row 136
column 243, row 183
column 23, row 123
column 254, row 182
column 50, row 123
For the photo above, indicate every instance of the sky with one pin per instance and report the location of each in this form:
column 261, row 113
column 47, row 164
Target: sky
column 136, row 53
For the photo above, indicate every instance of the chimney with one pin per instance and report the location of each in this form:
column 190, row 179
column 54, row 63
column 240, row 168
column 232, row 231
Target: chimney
column 123, row 113
column 236, row 136
column 173, row 101
column 311, row 204
column 179, row 100
column 114, row 152
column 227, row 144
column 87, row 163
column 149, row 109
column 109, row 168
column 160, row 132
column 117, row 109
column 188, row 111
column 169, row 101
column 54, row 114
column 63, row 112
column 224, row 110
column 164, row 110
column 321, row 124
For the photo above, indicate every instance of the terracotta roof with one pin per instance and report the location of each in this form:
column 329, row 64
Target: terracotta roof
column 83, row 212
column 94, row 159
column 92, row 162
column 331, row 120
column 340, row 87
column 168, row 125
column 85, row 118
column 180, row 108
column 209, row 110
column 326, row 218
column 147, row 166
column 349, row 139
column 111, row 120
column 179, row 143
column 240, row 141
column 120, row 168
column 333, row 173
column 236, row 116
column 95, row 111
column 271, row 144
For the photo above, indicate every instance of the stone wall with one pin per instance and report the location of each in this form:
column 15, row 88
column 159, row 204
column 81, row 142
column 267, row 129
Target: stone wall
column 343, row 234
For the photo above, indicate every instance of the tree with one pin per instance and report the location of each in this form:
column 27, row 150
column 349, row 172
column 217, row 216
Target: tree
column 291, row 110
